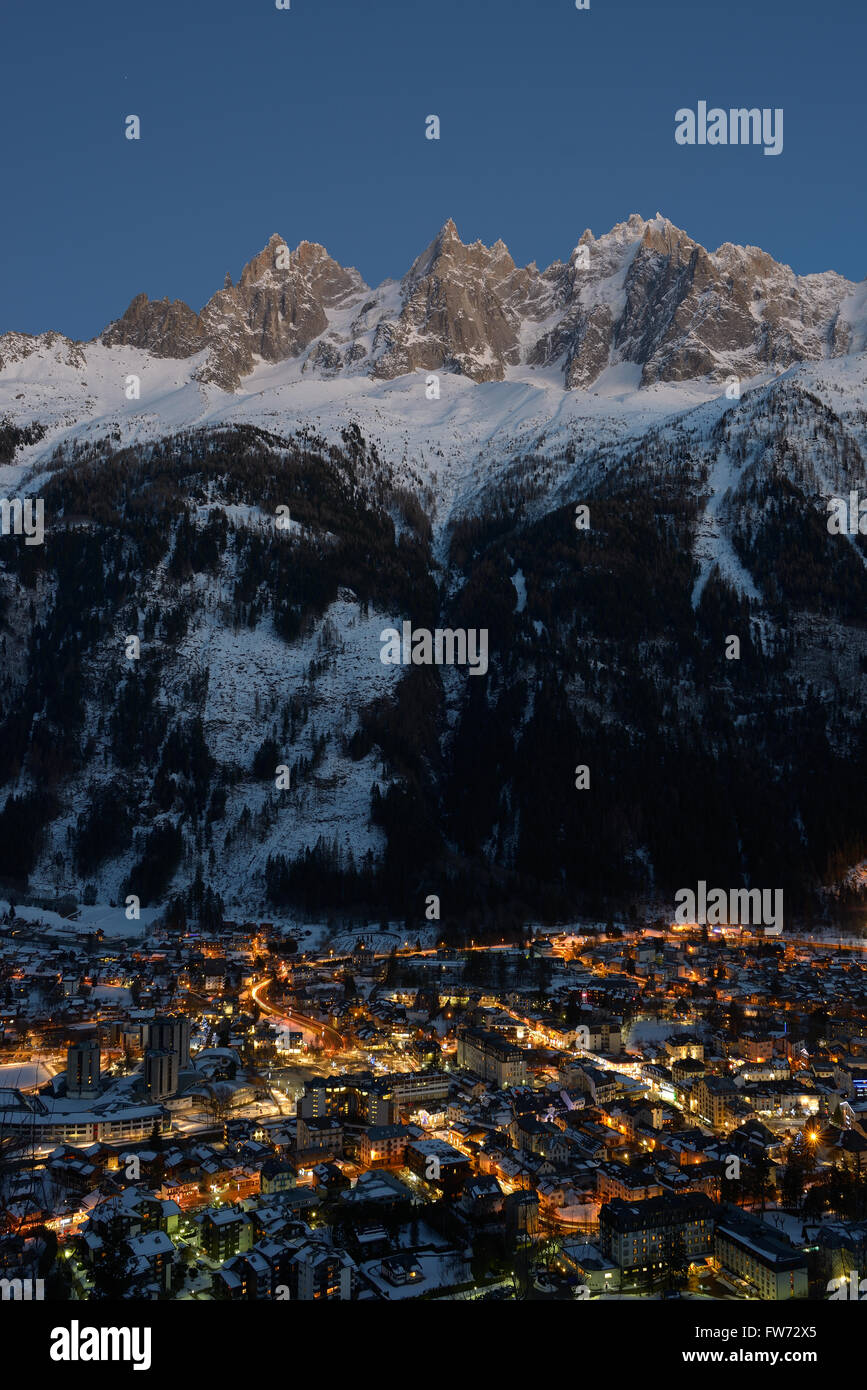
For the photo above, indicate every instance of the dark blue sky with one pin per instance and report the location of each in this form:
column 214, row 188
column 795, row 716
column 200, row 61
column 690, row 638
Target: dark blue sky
column 310, row 122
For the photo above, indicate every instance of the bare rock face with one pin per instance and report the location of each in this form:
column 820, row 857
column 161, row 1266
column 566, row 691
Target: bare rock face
column 644, row 293
column 849, row 331
column 588, row 293
column 462, row 311
column 278, row 307
column 666, row 321
column 167, row 328
column 691, row 313
column 325, row 357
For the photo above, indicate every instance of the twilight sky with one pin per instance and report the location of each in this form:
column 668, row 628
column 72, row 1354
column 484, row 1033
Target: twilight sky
column 311, row 122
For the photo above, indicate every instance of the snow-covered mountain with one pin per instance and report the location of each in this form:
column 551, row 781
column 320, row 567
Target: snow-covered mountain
column 644, row 295
column 163, row 449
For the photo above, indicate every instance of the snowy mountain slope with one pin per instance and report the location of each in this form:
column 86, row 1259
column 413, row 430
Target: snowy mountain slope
column 455, row 504
column 643, row 319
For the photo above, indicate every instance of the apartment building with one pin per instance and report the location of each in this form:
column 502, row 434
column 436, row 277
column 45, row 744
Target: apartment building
column 366, row 1099
column 643, row 1238
column 411, row 1091
column 615, row 1179
column 438, row 1163
column 225, row 1231
column 713, row 1099
column 763, row 1257
column 601, row 1086
column 319, row 1273
column 685, row 1045
column 82, row 1070
column 384, row 1146
column 323, row 1136
column 491, row 1057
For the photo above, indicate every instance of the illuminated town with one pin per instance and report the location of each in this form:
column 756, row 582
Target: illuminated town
column 310, row 1112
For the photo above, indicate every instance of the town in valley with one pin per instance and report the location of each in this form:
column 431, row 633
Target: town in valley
column 295, row 1111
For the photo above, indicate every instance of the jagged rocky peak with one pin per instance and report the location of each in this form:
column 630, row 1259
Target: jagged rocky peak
column 448, row 253
column 278, row 307
column 462, row 310
column 690, row 312
column 167, row 328
column 17, row 347
column 644, row 293
column 647, row 293
column 309, row 265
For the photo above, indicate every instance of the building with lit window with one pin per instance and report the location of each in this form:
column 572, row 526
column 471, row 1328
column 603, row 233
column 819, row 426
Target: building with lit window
column 82, row 1070
column 160, row 1073
column 320, row 1272
column 646, row 1238
column 491, row 1057
column 171, row 1033
column 751, row 1250
column 323, row 1136
column 438, row 1163
column 365, row 1099
column 714, row 1096
column 385, row 1145
column 225, row 1231
column 684, row 1045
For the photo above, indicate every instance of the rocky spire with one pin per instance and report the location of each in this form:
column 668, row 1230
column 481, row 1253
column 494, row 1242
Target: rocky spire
column 644, row 293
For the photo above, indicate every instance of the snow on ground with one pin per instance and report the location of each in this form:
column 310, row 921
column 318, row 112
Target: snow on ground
column 382, row 941
column 112, row 994
column 649, row 1030
column 435, row 1272
column 451, row 443
column 853, row 312
column 440, row 440
column 252, row 674
column 248, row 667
column 788, row 1224
column 462, row 446
column 712, row 547
column 26, row 1076
column 520, row 584
column 111, row 921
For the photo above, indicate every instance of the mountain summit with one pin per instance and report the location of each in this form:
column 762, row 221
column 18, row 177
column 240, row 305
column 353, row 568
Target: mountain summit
column 166, row 455
column 644, row 294
column 279, row 306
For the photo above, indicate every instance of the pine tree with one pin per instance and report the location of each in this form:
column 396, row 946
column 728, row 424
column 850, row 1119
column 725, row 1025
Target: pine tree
column 114, row 1276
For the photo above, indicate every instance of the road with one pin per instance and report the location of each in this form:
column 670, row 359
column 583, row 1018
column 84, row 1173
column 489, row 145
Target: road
column 329, row 1035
